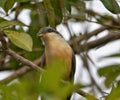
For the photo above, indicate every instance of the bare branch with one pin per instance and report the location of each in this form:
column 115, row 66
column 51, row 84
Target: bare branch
column 15, row 75
column 5, row 67
column 112, row 36
column 23, row 60
column 19, row 72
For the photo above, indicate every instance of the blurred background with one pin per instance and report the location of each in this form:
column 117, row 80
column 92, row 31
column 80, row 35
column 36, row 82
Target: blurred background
column 91, row 27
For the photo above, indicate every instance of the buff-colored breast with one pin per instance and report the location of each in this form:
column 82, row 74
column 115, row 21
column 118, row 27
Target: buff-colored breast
column 57, row 49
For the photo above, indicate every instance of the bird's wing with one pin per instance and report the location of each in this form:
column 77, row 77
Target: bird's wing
column 43, row 60
column 43, row 63
column 73, row 66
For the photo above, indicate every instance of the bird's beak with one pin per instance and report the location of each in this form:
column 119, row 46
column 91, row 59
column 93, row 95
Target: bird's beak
column 41, row 35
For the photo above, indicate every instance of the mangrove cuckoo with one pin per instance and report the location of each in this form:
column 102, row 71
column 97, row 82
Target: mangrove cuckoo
column 57, row 48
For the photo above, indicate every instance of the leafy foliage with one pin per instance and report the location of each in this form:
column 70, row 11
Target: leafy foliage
column 51, row 85
column 6, row 4
column 22, row 39
column 114, row 93
column 112, row 6
column 110, row 72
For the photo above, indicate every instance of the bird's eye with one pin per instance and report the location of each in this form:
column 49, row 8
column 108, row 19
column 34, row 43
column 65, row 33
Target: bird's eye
column 50, row 30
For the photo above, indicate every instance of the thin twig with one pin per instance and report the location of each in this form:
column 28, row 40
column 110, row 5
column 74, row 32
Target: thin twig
column 85, row 62
column 68, row 28
column 108, row 25
column 84, row 94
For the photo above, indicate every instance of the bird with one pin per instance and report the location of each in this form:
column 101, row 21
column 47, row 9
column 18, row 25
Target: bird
column 57, row 48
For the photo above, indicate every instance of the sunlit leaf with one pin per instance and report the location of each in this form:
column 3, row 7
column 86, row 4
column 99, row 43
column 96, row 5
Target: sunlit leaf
column 51, row 85
column 52, row 75
column 65, row 91
column 114, row 94
column 111, row 5
column 20, row 39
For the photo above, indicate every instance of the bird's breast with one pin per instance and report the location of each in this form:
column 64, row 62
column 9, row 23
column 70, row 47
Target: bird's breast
column 61, row 53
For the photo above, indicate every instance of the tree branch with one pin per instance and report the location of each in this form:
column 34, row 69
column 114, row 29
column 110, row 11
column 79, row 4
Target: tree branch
column 84, row 94
column 16, row 74
column 77, row 47
column 110, row 37
column 19, row 72
column 15, row 55
column 104, row 40
column 93, row 33
column 23, row 60
column 5, row 67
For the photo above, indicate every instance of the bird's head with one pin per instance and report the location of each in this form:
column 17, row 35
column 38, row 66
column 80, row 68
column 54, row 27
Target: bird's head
column 46, row 31
column 48, row 34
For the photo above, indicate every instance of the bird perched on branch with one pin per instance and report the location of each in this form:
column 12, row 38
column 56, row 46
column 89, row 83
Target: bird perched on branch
column 56, row 48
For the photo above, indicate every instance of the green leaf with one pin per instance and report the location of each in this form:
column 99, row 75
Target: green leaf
column 112, row 6
column 57, row 10
column 104, row 19
column 110, row 72
column 108, row 69
column 113, row 55
column 14, row 64
column 67, row 5
column 79, row 14
column 50, row 12
column 74, row 1
column 114, row 94
column 2, row 3
column 33, row 55
column 20, row 39
column 51, row 85
column 51, row 73
column 22, row 0
column 34, row 27
column 2, row 20
column 5, row 24
column 8, row 5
